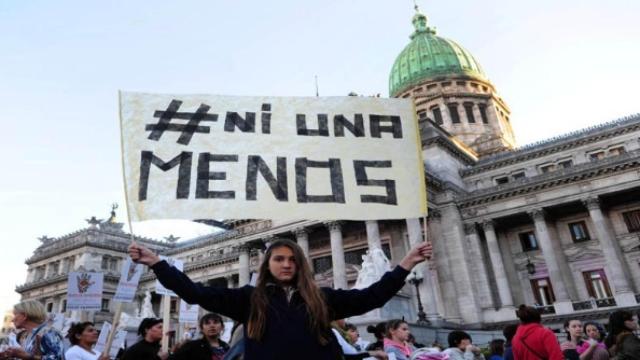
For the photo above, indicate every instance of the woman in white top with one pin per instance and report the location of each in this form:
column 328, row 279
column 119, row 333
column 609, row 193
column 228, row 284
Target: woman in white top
column 83, row 336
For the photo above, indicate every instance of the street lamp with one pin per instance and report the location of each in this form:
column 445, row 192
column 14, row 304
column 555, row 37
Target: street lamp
column 415, row 279
column 531, row 267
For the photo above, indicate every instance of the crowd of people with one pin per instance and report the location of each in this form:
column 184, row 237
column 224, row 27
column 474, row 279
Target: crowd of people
column 286, row 316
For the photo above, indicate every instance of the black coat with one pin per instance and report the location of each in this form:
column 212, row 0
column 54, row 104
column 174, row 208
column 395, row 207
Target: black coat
column 287, row 335
column 142, row 350
column 196, row 350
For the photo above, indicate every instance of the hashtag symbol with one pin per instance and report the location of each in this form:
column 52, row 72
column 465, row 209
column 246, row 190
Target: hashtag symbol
column 187, row 130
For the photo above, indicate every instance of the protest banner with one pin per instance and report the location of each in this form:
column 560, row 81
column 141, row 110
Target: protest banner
column 188, row 313
column 211, row 157
column 84, row 291
column 128, row 283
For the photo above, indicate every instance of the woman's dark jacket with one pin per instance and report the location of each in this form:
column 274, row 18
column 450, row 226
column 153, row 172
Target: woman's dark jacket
column 142, row 350
column 287, row 334
column 196, row 350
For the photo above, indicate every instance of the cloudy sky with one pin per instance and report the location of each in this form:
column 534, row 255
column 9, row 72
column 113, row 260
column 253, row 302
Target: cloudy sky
column 560, row 65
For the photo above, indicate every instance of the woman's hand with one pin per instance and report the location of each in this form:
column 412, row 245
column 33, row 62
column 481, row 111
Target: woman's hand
column 416, row 255
column 16, row 352
column 141, row 255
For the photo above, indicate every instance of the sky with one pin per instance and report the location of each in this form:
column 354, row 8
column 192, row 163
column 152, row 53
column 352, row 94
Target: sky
column 559, row 65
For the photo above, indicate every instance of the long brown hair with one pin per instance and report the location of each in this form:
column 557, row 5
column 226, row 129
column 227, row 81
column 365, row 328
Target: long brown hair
column 303, row 281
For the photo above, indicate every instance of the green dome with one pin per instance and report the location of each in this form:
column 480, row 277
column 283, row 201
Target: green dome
column 428, row 56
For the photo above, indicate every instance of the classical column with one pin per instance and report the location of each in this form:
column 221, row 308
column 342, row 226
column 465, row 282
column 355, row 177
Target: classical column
column 373, row 234
column 497, row 264
column 302, row 238
column 478, row 266
column 550, row 256
column 337, row 255
column 243, row 265
column 612, row 254
column 450, row 308
column 426, row 289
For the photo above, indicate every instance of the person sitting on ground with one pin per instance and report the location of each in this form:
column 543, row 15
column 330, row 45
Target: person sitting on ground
column 532, row 341
column 621, row 340
column 349, row 351
column 38, row 340
column 378, row 331
column 286, row 315
column 461, row 347
column 396, row 339
column 148, row 348
column 593, row 348
column 210, row 346
column 496, row 349
column 83, row 336
column 509, row 331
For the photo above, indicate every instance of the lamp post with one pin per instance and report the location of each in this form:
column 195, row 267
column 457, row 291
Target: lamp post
column 415, row 279
column 531, row 267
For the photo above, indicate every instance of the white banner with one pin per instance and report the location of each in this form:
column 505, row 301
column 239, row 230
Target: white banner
column 128, row 283
column 118, row 340
column 179, row 264
column 229, row 157
column 84, row 291
column 188, row 313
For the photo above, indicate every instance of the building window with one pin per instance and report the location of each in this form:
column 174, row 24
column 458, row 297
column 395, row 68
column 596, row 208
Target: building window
column 468, row 108
column 422, row 115
column 453, row 111
column 632, row 220
column 518, row 175
column 437, row 115
column 64, row 305
column 579, row 231
column 105, row 305
column 618, row 150
column 528, row 241
column 501, row 180
column 105, row 263
column 173, row 306
column 544, row 169
column 565, row 164
column 321, row 264
column 543, row 292
column 596, row 156
column 597, row 284
column 50, row 307
column 483, row 113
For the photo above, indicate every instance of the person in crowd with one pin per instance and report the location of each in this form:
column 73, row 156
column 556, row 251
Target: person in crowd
column 621, row 340
column 593, row 348
column 286, row 315
column 236, row 343
column 83, row 336
column 412, row 340
column 349, row 351
column 378, row 331
column 509, row 331
column 496, row 349
column 148, row 348
column 461, row 347
column 353, row 337
column 532, row 341
column 38, row 339
column 573, row 329
column 210, row 346
column 396, row 340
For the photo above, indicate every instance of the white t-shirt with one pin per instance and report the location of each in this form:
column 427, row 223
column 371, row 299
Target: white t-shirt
column 77, row 353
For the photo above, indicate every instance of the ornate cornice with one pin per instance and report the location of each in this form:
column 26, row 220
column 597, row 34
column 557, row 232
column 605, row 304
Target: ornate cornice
column 537, row 214
column 488, row 225
column 557, row 144
column 334, row 225
column 592, row 203
column 607, row 166
column 451, row 148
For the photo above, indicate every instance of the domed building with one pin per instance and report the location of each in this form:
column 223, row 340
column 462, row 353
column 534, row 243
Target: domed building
column 451, row 89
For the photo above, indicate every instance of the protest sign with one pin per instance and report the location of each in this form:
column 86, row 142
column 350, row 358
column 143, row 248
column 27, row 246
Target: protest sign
column 210, row 157
column 188, row 313
column 118, row 341
column 128, row 283
column 84, row 291
column 160, row 289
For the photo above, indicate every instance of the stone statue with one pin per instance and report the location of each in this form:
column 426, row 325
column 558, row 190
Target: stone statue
column 147, row 308
column 374, row 265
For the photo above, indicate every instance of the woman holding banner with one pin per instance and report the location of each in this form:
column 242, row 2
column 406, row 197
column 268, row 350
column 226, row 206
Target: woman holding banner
column 286, row 315
column 83, row 336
